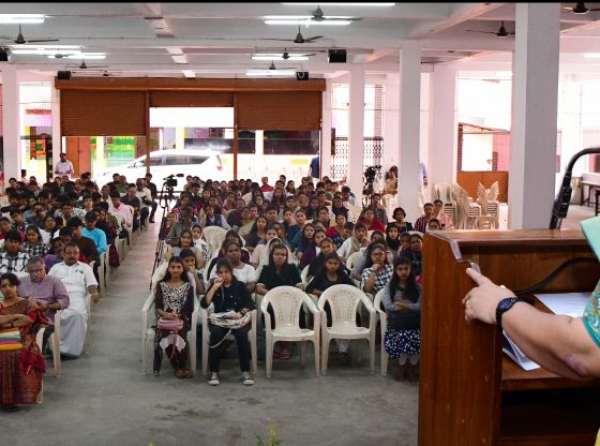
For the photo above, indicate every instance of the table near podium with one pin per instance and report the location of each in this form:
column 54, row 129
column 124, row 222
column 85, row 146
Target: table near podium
column 470, row 392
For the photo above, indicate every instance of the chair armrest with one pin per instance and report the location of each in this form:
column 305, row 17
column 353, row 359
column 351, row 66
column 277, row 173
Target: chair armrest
column 194, row 322
column 264, row 305
column 311, row 306
column 367, row 302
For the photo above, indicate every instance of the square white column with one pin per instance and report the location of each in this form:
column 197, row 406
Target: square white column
column 10, row 119
column 325, row 161
column 410, row 126
column 443, row 126
column 391, row 118
column 531, row 182
column 356, row 126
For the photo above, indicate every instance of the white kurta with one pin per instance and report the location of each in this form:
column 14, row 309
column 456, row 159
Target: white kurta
column 73, row 323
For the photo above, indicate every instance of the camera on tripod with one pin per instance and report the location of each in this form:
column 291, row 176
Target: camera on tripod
column 370, row 174
column 171, row 181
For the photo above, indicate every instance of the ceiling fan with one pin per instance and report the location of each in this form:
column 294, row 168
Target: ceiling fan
column 318, row 16
column 580, row 8
column 20, row 40
column 502, row 32
column 84, row 66
column 298, row 39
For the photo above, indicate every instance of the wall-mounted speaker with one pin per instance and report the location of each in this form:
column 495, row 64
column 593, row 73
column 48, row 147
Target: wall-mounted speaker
column 301, row 75
column 64, row 75
column 4, row 56
column 337, row 56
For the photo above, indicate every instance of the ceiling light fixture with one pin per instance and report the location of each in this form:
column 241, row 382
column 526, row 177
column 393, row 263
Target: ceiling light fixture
column 345, row 4
column 189, row 74
column 270, row 73
column 306, row 20
column 277, row 57
column 45, row 51
column 87, row 56
column 31, row 19
column 591, row 55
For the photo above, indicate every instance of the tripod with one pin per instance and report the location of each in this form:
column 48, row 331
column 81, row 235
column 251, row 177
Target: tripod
column 166, row 196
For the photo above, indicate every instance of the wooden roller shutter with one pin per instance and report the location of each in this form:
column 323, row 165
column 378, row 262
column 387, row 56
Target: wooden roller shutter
column 191, row 99
column 285, row 110
column 102, row 113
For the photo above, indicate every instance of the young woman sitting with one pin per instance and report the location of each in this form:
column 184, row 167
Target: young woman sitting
column 336, row 231
column 227, row 294
column 278, row 272
column 333, row 273
column 186, row 241
column 50, row 230
column 257, row 233
column 189, row 260
column 399, row 215
column 414, row 254
column 327, row 247
column 378, row 271
column 402, row 302
column 392, row 239
column 200, row 243
column 174, row 303
column 34, row 245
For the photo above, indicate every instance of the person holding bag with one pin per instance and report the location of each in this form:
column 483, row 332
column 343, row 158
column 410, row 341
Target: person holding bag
column 402, row 301
column 174, row 303
column 229, row 305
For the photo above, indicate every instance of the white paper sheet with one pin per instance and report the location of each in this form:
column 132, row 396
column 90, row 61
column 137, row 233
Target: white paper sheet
column 569, row 304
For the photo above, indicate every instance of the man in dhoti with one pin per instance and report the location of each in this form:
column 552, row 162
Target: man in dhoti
column 80, row 282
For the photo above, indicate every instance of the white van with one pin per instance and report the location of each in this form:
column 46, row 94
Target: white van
column 205, row 164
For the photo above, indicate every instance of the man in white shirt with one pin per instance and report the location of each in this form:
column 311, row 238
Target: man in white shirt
column 123, row 212
column 64, row 166
column 78, row 278
column 145, row 196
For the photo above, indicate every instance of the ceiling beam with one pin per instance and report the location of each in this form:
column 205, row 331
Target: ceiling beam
column 460, row 12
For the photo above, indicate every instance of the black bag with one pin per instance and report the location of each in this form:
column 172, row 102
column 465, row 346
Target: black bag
column 404, row 320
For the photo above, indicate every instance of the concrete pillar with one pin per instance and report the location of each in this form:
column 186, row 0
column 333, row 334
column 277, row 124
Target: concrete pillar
column 356, row 126
column 56, row 130
column 325, row 162
column 10, row 119
column 410, row 123
column 180, row 138
column 534, row 113
column 259, row 152
column 391, row 118
column 443, row 126
column 571, row 134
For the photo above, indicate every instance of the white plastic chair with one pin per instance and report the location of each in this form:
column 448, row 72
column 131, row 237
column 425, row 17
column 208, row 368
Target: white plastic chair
column 352, row 259
column 206, row 339
column 102, row 273
column 286, row 302
column 149, row 330
column 344, row 301
column 383, row 327
column 214, row 236
column 54, row 342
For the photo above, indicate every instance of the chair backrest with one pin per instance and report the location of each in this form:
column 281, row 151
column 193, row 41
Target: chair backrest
column 214, row 236
column 378, row 301
column 245, row 230
column 287, row 302
column 352, row 259
column 247, row 198
column 485, row 222
column 304, row 274
column 343, row 301
column 443, row 191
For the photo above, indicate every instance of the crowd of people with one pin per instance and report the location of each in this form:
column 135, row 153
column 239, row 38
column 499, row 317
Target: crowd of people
column 52, row 233
column 275, row 235
column 52, row 238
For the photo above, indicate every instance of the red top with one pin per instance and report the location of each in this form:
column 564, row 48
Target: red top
column 376, row 225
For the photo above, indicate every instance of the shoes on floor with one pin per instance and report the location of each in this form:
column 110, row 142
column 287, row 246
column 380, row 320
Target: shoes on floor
column 214, row 379
column 151, row 221
column 284, row 354
column 247, row 379
column 157, row 373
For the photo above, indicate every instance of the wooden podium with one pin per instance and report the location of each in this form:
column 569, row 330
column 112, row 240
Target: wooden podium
column 470, row 392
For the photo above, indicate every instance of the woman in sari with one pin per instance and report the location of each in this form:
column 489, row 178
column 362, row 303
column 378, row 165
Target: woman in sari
column 22, row 366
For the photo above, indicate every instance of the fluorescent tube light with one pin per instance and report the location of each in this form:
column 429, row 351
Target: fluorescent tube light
column 45, row 52
column 86, row 56
column 270, row 73
column 307, row 22
column 189, row 73
column 591, row 55
column 22, row 18
column 380, row 4
column 276, row 57
column 38, row 46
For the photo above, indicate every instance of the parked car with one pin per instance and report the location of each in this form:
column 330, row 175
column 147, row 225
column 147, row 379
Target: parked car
column 203, row 163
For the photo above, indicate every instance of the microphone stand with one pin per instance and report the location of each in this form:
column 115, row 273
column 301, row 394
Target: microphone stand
column 561, row 204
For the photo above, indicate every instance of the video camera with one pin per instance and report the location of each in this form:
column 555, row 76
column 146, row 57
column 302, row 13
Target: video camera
column 371, row 173
column 171, row 181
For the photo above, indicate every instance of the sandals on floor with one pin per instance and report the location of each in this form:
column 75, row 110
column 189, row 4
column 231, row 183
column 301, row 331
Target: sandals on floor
column 284, row 354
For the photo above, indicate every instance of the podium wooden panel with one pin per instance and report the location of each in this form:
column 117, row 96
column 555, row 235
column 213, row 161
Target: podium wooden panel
column 470, row 392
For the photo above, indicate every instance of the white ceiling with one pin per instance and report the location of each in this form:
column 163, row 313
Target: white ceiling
column 217, row 39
